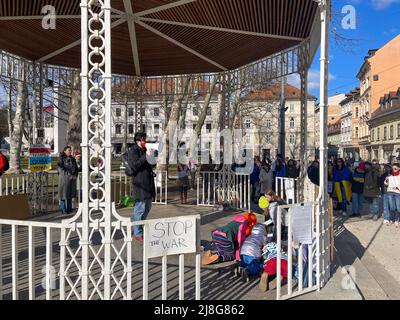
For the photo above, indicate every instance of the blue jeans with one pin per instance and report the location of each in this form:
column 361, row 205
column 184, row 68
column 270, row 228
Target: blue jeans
column 394, row 205
column 252, row 265
column 374, row 208
column 357, row 202
column 140, row 212
column 387, row 206
column 66, row 205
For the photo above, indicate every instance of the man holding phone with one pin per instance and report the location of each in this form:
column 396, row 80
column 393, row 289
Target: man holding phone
column 142, row 181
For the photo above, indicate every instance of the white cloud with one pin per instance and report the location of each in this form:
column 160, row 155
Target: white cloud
column 383, row 4
column 313, row 79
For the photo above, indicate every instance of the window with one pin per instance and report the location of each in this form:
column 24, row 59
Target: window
column 391, row 132
column 118, row 112
column 376, row 77
column 356, row 112
column 356, row 132
column 156, row 112
column 195, row 111
column 292, row 139
column 130, row 129
column 156, row 128
column 291, row 108
column 209, row 111
column 378, row 135
column 194, row 126
column 247, row 124
column 269, row 108
column 385, row 133
column 268, row 138
column 118, row 128
column 208, row 127
column 130, row 112
column 373, row 135
column 291, row 123
column 398, row 130
column 268, row 123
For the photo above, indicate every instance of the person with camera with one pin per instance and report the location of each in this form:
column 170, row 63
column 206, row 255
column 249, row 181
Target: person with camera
column 68, row 169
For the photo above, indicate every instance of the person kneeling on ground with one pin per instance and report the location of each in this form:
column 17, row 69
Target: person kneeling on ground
column 250, row 254
column 227, row 240
column 270, row 256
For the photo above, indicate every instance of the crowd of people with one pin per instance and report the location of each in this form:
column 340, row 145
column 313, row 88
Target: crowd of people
column 353, row 185
column 265, row 172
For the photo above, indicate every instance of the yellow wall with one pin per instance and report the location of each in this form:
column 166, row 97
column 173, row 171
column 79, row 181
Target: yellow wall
column 386, row 64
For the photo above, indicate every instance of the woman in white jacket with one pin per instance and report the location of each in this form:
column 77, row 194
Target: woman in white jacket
column 392, row 182
column 266, row 178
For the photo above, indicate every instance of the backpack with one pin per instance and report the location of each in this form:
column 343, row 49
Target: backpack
column 4, row 164
column 128, row 170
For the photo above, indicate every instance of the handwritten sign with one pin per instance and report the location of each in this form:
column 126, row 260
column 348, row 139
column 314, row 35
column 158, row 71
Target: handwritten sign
column 302, row 224
column 40, row 158
column 170, row 236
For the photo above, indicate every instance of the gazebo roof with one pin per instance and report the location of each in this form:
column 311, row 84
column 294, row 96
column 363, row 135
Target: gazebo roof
column 162, row 37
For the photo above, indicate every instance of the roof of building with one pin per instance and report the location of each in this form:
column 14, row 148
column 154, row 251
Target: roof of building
column 273, row 92
column 385, row 109
column 172, row 37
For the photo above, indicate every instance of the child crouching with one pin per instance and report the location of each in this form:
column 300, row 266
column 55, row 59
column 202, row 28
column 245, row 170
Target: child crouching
column 250, row 253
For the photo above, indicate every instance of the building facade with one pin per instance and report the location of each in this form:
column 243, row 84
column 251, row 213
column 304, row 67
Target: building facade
column 334, row 139
column 263, row 118
column 385, row 128
column 349, row 147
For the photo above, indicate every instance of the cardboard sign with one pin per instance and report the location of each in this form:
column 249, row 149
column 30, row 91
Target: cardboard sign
column 40, row 158
column 302, row 224
column 173, row 236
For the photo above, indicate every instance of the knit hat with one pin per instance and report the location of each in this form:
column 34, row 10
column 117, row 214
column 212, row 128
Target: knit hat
column 263, row 203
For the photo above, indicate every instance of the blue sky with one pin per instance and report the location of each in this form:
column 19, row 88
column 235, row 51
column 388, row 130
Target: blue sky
column 377, row 22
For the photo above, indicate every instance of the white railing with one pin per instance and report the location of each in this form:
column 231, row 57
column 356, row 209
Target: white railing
column 122, row 186
column 40, row 260
column 46, row 197
column 288, row 189
column 221, row 187
column 307, row 259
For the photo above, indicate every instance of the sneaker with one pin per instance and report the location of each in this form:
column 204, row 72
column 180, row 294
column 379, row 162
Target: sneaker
column 245, row 275
column 263, row 285
column 343, row 213
column 396, row 224
column 386, row 222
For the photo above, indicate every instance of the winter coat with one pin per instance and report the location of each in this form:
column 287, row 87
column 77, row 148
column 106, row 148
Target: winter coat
column 357, row 181
column 266, row 179
column 254, row 243
column 68, row 170
column 313, row 173
column 371, row 184
column 255, row 175
column 143, row 177
column 292, row 172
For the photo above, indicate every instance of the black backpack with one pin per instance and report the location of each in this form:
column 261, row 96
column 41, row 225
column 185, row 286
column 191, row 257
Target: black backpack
column 128, row 170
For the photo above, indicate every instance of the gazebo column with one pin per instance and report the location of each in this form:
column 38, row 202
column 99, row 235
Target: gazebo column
column 323, row 263
column 303, row 150
column 96, row 145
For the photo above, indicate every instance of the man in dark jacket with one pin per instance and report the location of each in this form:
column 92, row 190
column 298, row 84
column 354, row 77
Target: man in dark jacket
column 371, row 189
column 142, row 180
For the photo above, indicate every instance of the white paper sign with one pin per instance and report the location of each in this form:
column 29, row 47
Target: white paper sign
column 289, row 190
column 170, row 236
column 302, row 224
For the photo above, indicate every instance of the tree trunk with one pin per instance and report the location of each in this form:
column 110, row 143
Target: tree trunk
column 172, row 123
column 10, row 124
column 18, row 128
column 202, row 118
column 74, row 130
column 216, row 126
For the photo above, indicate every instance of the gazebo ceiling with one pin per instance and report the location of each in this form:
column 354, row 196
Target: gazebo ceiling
column 162, row 37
